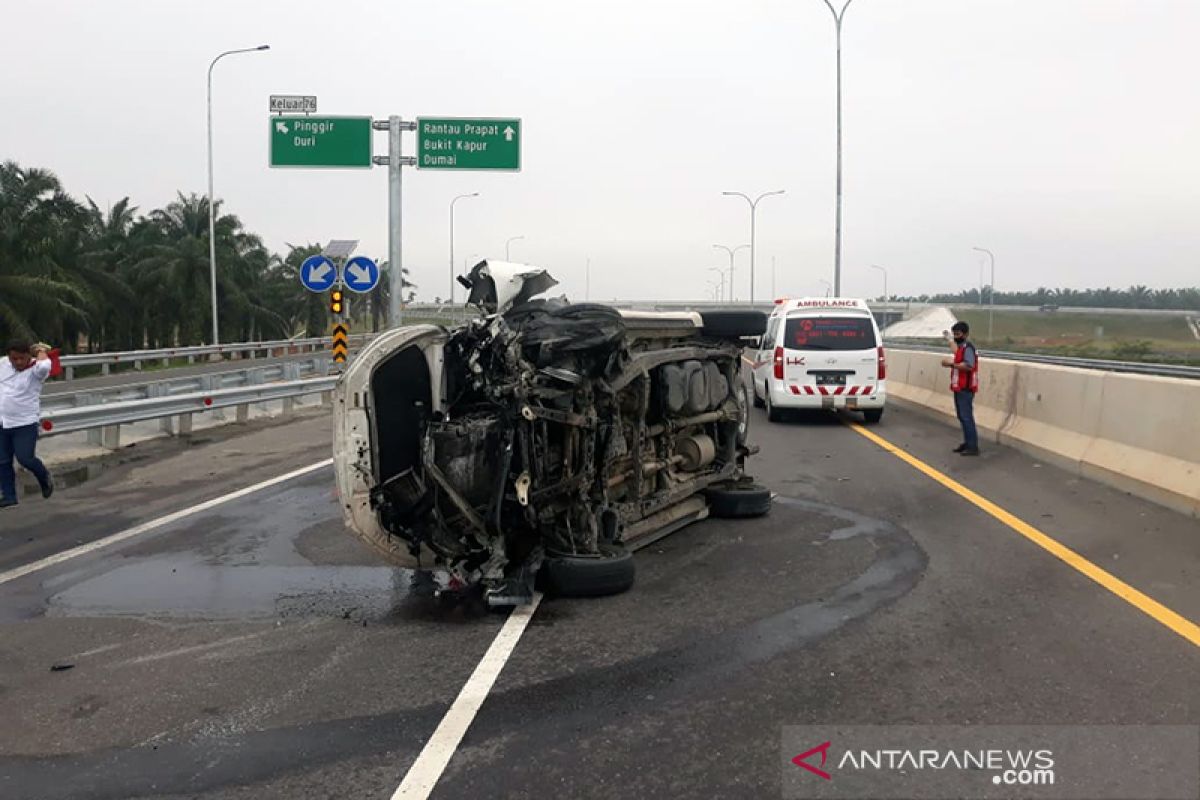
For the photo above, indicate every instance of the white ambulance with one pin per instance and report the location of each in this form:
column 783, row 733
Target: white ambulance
column 821, row 352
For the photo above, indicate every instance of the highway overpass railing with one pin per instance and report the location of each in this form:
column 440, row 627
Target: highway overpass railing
column 248, row 349
column 1134, row 367
column 109, row 417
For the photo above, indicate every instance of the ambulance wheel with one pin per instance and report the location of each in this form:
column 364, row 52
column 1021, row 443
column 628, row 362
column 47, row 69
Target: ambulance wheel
column 872, row 415
column 773, row 413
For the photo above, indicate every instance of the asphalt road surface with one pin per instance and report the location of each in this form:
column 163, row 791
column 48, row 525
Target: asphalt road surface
column 253, row 649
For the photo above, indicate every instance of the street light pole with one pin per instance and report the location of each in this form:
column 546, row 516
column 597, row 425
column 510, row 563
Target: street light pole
column 991, row 291
column 511, row 239
column 753, row 208
column 212, row 214
column 884, row 271
column 452, row 202
column 721, row 277
column 730, row 252
column 837, row 242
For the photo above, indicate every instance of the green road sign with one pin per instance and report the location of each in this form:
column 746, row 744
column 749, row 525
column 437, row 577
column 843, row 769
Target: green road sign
column 320, row 141
column 460, row 143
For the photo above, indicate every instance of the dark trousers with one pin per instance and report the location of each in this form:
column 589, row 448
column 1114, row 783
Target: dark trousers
column 964, row 406
column 20, row 442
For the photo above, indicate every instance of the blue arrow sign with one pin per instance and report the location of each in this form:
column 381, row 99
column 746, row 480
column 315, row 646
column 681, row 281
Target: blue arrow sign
column 361, row 274
column 318, row 273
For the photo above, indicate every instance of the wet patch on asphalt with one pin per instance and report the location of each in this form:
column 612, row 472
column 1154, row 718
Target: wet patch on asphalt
column 534, row 712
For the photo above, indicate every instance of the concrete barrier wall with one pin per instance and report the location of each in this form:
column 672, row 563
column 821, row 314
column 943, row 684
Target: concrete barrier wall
column 1138, row 433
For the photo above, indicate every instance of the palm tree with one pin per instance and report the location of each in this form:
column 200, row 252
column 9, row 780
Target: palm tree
column 174, row 269
column 38, row 223
column 110, row 250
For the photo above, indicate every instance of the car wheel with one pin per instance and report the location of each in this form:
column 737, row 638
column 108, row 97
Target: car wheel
column 872, row 415
column 743, row 429
column 609, row 572
column 758, row 401
column 738, row 500
column 773, row 413
column 422, row 584
column 733, row 324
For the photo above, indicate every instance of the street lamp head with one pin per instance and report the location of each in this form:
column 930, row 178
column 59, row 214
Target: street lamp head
column 263, row 47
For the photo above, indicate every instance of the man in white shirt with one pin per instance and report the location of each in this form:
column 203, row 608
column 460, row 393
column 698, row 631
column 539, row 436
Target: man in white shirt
column 22, row 375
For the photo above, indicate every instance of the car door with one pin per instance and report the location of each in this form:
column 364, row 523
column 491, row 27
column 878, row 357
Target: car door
column 763, row 359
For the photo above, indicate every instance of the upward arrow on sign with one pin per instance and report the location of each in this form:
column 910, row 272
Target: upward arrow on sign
column 508, row 133
column 341, row 345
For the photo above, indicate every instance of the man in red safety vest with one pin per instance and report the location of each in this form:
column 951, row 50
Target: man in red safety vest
column 964, row 383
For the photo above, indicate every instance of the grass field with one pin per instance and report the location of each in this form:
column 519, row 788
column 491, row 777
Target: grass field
column 1150, row 337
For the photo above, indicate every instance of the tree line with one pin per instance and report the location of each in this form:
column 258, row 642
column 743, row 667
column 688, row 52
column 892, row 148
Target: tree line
column 1108, row 297
column 81, row 277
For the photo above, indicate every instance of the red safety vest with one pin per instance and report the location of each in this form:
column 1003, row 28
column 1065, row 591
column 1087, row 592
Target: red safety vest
column 963, row 380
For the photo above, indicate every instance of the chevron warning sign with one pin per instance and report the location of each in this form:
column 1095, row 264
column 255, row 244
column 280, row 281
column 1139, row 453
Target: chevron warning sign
column 341, row 342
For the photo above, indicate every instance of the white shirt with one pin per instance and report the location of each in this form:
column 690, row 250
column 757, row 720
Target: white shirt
column 21, row 393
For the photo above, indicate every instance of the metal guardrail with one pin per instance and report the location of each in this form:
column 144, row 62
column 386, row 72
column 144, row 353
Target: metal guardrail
column 312, row 366
column 135, row 357
column 1136, row 367
column 112, row 415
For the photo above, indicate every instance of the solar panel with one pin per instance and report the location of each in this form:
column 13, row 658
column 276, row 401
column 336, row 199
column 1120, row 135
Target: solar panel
column 340, row 248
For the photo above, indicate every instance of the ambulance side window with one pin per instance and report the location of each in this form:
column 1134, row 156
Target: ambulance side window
column 768, row 340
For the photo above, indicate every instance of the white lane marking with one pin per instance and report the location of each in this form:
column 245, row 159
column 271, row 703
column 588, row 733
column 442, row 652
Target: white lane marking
column 193, row 649
column 145, row 527
column 425, row 772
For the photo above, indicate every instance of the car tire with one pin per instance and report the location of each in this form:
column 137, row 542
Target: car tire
column 733, row 324
column 743, row 429
column 610, row 572
column 773, row 413
column 872, row 415
column 758, row 401
column 738, row 500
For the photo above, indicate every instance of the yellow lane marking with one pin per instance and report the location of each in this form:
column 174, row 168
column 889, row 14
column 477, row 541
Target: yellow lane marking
column 1147, row 605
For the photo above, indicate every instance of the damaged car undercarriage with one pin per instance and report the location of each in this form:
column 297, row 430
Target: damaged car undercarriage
column 544, row 437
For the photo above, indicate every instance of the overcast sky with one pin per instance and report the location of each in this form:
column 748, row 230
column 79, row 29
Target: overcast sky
column 1064, row 136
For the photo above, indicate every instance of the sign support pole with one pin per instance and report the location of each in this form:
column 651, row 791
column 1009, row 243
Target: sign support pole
column 395, row 161
column 395, row 200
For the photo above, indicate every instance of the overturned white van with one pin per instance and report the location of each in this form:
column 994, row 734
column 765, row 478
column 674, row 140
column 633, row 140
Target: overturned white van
column 544, row 440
